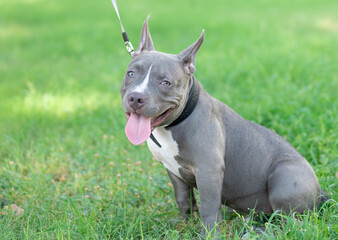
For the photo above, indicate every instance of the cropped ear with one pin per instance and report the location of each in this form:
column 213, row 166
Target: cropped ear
column 146, row 43
column 187, row 56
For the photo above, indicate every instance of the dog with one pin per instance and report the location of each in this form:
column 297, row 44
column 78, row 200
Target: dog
column 204, row 144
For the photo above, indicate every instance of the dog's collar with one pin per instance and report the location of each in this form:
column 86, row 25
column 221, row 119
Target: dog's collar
column 188, row 109
column 194, row 94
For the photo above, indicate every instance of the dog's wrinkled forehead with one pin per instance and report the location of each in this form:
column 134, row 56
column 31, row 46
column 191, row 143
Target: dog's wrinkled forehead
column 161, row 63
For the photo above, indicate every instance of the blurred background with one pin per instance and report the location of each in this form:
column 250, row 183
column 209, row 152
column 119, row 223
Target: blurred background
column 62, row 63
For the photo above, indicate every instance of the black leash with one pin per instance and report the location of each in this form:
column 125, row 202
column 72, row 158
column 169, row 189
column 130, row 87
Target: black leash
column 155, row 140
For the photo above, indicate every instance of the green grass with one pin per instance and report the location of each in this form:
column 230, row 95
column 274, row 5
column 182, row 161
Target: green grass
column 64, row 156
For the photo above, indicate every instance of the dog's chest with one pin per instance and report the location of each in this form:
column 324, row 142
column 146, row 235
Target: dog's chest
column 167, row 153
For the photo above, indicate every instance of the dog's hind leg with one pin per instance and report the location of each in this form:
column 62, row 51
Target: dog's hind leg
column 293, row 186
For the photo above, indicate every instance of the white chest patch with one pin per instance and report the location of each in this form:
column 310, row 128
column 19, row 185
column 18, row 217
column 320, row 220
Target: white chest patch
column 166, row 154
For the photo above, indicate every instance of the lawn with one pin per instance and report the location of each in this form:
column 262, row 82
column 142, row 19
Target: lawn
column 64, row 157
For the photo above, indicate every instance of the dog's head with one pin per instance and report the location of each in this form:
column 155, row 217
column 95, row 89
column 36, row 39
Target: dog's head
column 155, row 87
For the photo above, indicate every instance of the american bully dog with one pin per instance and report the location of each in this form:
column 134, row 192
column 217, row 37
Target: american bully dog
column 204, row 144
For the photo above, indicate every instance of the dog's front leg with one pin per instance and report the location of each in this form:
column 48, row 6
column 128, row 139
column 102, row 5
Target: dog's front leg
column 184, row 195
column 209, row 183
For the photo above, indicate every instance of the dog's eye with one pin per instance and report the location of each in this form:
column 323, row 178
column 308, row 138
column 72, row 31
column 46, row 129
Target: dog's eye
column 165, row 83
column 131, row 74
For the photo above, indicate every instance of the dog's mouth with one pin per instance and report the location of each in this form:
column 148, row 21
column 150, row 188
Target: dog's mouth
column 161, row 118
column 139, row 128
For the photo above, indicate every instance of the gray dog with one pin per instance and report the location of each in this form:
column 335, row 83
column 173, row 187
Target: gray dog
column 204, row 144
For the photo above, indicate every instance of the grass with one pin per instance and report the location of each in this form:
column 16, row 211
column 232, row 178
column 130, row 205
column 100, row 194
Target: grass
column 64, row 157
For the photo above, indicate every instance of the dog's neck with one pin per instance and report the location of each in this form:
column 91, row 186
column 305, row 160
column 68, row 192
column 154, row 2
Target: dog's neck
column 190, row 105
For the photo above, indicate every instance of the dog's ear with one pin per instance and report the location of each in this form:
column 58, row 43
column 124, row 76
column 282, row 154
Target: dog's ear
column 187, row 56
column 146, row 43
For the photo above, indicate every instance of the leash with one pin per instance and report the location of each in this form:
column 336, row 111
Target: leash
column 127, row 43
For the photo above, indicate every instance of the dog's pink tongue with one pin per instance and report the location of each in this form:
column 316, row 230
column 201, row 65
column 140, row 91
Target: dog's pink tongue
column 138, row 128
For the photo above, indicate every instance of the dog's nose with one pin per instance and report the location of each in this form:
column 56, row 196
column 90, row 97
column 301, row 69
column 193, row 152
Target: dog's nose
column 136, row 100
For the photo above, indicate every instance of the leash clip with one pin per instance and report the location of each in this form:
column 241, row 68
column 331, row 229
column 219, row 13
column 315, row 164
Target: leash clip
column 127, row 43
column 129, row 48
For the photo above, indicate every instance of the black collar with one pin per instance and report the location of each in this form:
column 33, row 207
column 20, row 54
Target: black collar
column 188, row 109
